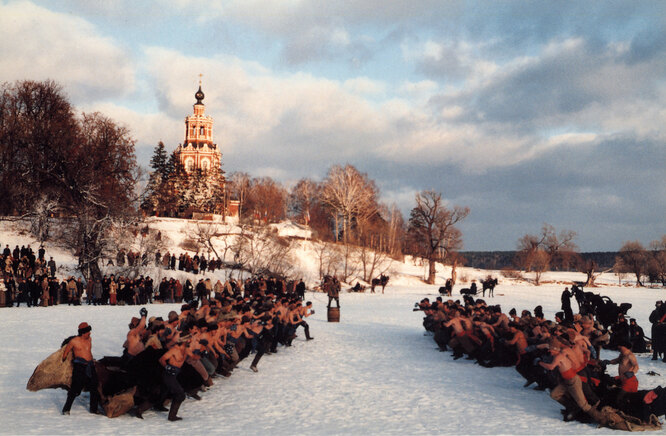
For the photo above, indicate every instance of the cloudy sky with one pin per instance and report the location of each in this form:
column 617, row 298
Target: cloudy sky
column 527, row 112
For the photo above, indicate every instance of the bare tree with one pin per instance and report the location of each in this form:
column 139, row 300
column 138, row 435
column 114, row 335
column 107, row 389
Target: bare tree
column 395, row 231
column 350, row 262
column 302, row 198
column 329, row 258
column 204, row 234
column 240, row 187
column 455, row 259
column 528, row 245
column 634, row 258
column 373, row 262
column 263, row 252
column 536, row 252
column 40, row 217
column 560, row 247
column 266, row 199
column 351, row 197
column 590, row 268
column 658, row 262
column 620, row 269
column 432, row 229
column 540, row 264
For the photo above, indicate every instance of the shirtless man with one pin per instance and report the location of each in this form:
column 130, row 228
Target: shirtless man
column 134, row 343
column 303, row 312
column 172, row 361
column 502, row 323
column 456, row 341
column 518, row 340
column 83, row 373
column 627, row 368
column 570, row 383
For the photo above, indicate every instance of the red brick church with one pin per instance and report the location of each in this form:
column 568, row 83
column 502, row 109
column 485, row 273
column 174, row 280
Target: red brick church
column 197, row 188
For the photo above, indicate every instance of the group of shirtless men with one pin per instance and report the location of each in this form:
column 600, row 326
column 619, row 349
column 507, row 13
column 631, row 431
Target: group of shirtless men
column 204, row 337
column 540, row 349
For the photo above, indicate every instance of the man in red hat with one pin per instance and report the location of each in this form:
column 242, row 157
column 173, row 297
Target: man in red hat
column 83, row 373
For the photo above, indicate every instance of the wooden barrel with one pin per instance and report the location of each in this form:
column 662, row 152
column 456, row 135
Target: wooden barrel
column 333, row 314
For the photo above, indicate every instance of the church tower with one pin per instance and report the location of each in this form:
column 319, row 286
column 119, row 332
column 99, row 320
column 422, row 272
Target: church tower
column 199, row 151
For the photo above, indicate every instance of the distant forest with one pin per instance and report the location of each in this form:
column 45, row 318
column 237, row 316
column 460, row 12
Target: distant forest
column 505, row 259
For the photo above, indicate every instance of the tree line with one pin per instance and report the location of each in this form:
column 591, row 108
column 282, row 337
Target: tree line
column 552, row 250
column 54, row 161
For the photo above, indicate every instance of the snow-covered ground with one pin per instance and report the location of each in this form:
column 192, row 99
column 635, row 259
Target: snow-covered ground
column 373, row 373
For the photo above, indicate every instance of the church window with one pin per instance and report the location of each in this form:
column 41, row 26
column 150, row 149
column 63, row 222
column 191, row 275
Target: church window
column 201, row 131
column 189, row 164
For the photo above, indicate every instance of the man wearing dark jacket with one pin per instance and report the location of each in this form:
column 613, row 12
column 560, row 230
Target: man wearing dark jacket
column 658, row 330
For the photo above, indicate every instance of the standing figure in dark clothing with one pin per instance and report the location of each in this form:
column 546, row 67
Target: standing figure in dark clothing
column 566, row 306
column 657, row 318
column 332, row 288
column 637, row 337
column 23, row 293
column 579, row 295
column 619, row 333
column 300, row 289
column 52, row 267
column 83, row 374
column 188, row 291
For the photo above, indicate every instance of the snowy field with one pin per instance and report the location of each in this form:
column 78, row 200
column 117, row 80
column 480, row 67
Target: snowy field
column 374, row 373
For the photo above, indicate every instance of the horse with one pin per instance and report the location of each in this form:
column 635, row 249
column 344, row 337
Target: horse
column 489, row 284
column 381, row 281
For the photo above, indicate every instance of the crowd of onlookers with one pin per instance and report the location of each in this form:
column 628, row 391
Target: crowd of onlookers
column 27, row 276
column 197, row 264
column 30, row 279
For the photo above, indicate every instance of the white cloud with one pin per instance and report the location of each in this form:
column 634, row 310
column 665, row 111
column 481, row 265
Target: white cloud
column 38, row 44
column 272, row 113
column 365, row 86
column 147, row 128
column 452, row 60
column 420, row 91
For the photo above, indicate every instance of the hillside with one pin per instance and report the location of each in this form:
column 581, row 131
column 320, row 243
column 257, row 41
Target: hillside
column 285, row 247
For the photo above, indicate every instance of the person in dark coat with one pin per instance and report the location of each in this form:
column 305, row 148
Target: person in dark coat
column 300, row 289
column 52, row 267
column 24, row 293
column 566, row 305
column 637, row 337
column 188, row 291
column 658, row 330
column 579, row 295
column 619, row 333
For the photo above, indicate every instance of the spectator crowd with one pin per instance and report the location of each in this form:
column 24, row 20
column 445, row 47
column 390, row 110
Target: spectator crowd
column 31, row 280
